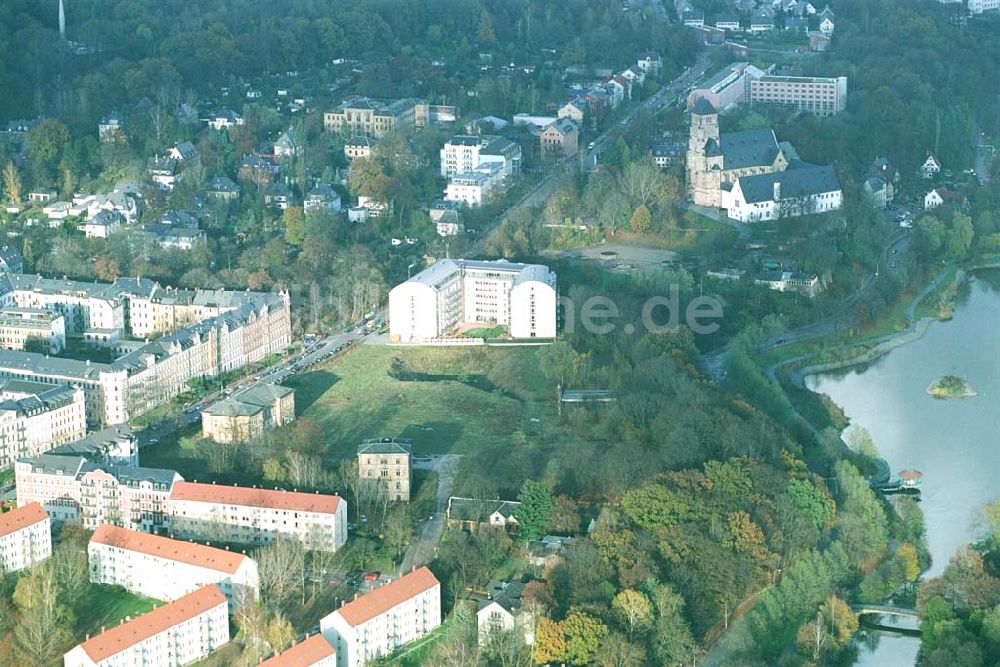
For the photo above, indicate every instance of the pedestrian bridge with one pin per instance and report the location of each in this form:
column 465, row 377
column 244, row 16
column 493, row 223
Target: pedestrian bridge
column 884, row 610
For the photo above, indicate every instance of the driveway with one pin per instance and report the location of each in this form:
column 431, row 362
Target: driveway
column 424, row 547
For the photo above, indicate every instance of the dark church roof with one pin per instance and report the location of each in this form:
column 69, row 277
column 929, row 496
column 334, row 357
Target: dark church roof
column 801, row 179
column 703, row 107
column 751, row 148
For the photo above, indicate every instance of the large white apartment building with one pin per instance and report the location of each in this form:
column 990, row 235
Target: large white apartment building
column 257, row 515
column 312, row 652
column 376, row 624
column 178, row 633
column 980, row 6
column 75, row 490
column 454, row 292
column 128, row 558
column 823, row 96
column 463, row 153
column 21, row 328
column 477, row 186
column 36, row 417
column 25, row 537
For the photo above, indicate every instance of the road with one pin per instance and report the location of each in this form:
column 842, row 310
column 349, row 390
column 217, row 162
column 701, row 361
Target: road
column 424, row 548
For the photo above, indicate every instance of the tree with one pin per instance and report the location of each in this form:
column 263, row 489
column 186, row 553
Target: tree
column 12, row 183
column 584, row 635
column 398, row 531
column 634, row 609
column 45, row 625
column 295, row 228
column 617, row 651
column 106, row 268
column 641, row 221
column 484, row 31
column 671, row 639
column 279, row 567
column 550, row 643
column 533, row 513
column 558, row 361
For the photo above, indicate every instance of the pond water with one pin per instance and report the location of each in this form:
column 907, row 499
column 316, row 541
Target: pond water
column 955, row 443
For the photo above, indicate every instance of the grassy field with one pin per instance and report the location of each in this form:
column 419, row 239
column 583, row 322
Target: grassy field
column 445, row 399
column 107, row 606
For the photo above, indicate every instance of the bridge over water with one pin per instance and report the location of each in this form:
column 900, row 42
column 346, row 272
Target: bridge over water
column 884, row 610
column 869, row 610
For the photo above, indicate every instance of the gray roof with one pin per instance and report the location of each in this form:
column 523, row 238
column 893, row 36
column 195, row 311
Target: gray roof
column 507, row 594
column 703, row 107
column 386, row 446
column 474, row 509
column 35, row 396
column 249, row 401
column 799, row 180
column 95, row 444
column 445, row 268
column 749, row 148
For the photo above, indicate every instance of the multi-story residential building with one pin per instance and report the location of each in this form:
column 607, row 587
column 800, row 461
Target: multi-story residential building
column 111, row 128
column 360, row 146
column 257, row 516
column 115, row 445
column 453, row 292
column 25, row 537
column 377, row 117
column 376, row 624
column 823, row 96
column 322, row 198
column 36, row 417
column 475, row 188
column 802, row 189
column 165, row 569
column 248, row 413
column 384, row 463
column 312, row 652
column 980, row 6
column 178, row 633
column 32, row 328
column 465, row 153
column 75, row 490
column 560, row 138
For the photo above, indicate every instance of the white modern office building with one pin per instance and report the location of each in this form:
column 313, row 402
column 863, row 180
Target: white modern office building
column 456, row 292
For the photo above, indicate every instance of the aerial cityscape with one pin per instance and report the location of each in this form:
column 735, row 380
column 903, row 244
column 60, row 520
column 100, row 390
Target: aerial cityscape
column 454, row 333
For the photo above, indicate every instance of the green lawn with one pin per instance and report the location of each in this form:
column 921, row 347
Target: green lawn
column 106, row 607
column 442, row 398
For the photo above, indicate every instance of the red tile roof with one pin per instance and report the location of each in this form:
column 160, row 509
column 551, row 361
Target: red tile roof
column 385, row 598
column 22, row 517
column 126, row 635
column 305, row 654
column 164, row 547
column 250, row 497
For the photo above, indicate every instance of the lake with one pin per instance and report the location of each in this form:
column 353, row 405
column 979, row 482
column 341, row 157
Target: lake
column 955, row 443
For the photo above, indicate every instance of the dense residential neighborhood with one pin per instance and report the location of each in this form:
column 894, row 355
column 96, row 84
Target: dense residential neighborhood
column 499, row 334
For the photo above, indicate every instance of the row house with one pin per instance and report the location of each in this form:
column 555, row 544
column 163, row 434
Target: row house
column 178, row 633
column 257, row 515
column 122, row 557
column 314, row 651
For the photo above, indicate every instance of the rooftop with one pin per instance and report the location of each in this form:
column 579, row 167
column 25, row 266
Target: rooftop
column 189, row 553
column 126, row 635
column 22, row 517
column 365, row 608
column 254, row 497
column 748, row 148
column 249, row 401
column 305, row 653
column 386, row 446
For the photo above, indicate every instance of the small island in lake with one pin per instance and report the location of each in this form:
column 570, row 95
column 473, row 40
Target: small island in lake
column 950, row 386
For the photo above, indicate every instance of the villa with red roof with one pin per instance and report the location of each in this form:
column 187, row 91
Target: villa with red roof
column 250, row 515
column 122, row 557
column 178, row 633
column 25, row 537
column 313, row 652
column 376, row 624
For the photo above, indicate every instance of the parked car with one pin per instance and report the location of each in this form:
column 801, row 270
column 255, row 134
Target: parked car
column 372, row 576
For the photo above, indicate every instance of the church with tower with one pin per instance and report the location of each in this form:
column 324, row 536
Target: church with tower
column 750, row 174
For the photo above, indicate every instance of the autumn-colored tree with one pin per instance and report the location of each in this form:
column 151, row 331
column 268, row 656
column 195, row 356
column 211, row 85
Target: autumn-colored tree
column 12, row 183
column 641, row 221
column 294, row 221
column 106, row 268
column 550, row 643
column 908, row 561
column 634, row 609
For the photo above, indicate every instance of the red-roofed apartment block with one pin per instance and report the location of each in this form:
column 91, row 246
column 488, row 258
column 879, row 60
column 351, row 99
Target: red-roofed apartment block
column 25, row 537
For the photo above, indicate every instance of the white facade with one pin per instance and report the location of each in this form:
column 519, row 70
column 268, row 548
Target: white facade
column 18, row 326
column 36, row 417
column 178, row 633
column 126, row 558
column 453, row 292
column 980, row 6
column 257, row 516
column 378, row 623
column 932, row 200
column 745, row 208
column 25, row 537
